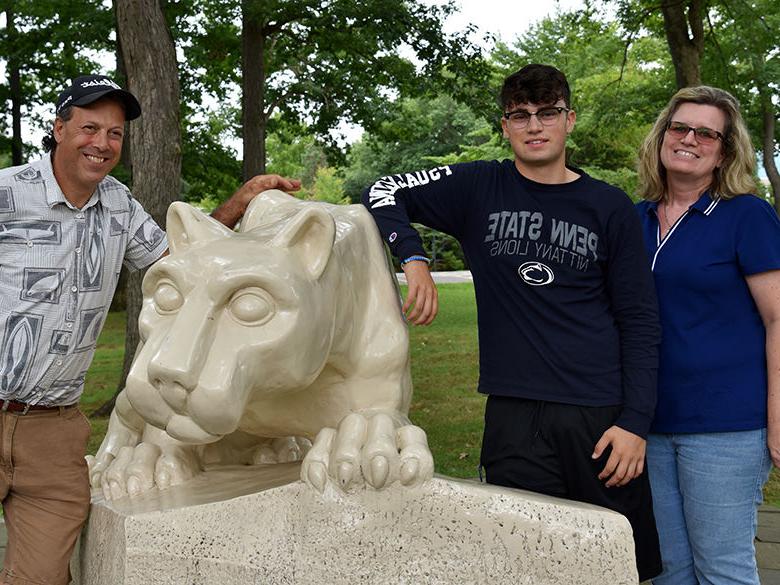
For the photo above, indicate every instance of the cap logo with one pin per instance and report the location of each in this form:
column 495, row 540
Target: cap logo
column 64, row 102
column 100, row 82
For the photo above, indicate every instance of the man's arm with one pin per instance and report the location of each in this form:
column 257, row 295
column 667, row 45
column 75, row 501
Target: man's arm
column 635, row 310
column 227, row 214
column 765, row 289
column 232, row 210
column 435, row 198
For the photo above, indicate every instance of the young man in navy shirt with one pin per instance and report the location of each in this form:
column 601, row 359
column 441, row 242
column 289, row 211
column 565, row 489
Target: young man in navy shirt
column 568, row 323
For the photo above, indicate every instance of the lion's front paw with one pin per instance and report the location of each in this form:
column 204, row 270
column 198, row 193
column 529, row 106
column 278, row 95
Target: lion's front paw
column 368, row 450
column 138, row 469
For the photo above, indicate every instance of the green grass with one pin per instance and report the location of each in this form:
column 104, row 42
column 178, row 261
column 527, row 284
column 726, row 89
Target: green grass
column 103, row 375
column 444, row 368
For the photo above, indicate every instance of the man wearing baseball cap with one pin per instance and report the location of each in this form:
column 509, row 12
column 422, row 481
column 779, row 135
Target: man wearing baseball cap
column 88, row 89
column 66, row 229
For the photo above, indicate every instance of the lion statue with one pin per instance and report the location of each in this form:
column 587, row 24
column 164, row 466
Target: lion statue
column 281, row 340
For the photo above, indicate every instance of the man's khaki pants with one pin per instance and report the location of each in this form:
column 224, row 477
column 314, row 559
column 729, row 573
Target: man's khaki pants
column 44, row 487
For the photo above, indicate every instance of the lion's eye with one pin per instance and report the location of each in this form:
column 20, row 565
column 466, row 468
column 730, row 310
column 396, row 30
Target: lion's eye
column 167, row 298
column 251, row 306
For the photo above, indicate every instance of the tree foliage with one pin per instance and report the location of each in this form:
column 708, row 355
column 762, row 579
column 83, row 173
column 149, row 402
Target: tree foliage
column 47, row 43
column 730, row 44
column 422, row 97
column 321, row 62
column 744, row 58
column 410, row 136
column 211, row 170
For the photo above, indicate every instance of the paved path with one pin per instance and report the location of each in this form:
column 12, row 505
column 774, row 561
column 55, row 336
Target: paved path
column 767, row 544
column 454, row 276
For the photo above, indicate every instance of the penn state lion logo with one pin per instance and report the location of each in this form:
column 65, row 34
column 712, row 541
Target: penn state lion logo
column 536, row 273
column 256, row 343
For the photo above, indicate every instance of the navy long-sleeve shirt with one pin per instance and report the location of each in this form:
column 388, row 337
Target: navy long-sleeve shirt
column 565, row 300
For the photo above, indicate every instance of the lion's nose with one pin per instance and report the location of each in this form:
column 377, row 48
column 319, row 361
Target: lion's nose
column 181, row 353
column 173, row 394
column 181, row 369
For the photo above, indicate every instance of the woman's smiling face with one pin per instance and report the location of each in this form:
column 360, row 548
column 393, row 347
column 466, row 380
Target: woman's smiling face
column 687, row 157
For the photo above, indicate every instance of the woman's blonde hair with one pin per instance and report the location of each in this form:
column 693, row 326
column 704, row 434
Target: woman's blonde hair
column 735, row 174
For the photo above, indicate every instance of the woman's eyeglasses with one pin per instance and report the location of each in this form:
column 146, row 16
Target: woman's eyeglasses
column 702, row 134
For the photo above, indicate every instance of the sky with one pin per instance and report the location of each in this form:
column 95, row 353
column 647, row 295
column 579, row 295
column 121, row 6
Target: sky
column 506, row 18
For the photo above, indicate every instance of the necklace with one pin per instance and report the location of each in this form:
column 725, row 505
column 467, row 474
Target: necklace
column 665, row 211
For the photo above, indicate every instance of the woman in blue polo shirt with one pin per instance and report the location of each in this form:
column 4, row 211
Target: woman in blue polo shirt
column 715, row 252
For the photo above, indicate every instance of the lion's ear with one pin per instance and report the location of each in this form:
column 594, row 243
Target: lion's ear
column 310, row 236
column 187, row 226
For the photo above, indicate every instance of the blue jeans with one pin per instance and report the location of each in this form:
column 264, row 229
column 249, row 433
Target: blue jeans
column 706, row 492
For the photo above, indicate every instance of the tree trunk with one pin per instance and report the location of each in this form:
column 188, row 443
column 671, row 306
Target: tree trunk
column 121, row 78
column 685, row 37
column 15, row 87
column 768, row 143
column 253, row 122
column 152, row 76
column 119, row 302
column 761, row 83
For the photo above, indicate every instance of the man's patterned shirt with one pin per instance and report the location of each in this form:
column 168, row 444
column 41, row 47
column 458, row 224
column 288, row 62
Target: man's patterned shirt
column 59, row 266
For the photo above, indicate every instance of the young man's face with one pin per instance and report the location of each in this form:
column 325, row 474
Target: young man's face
column 537, row 132
column 88, row 146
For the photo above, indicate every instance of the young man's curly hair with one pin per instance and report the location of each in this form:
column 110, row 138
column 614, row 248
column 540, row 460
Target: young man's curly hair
column 535, row 84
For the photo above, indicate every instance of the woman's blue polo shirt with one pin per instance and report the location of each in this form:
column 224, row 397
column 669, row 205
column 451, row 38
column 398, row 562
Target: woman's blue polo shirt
column 712, row 374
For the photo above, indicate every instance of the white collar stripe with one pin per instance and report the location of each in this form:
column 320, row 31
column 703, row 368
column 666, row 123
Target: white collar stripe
column 666, row 239
column 711, row 206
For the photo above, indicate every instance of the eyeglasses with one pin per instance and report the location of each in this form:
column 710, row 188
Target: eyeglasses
column 703, row 134
column 547, row 116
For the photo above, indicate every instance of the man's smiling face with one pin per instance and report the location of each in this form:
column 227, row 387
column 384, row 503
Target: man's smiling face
column 88, row 147
column 538, row 145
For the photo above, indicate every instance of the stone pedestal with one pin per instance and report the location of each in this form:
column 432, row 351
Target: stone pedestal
column 261, row 525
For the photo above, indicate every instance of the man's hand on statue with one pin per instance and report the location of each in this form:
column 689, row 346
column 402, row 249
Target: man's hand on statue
column 260, row 183
column 233, row 209
column 422, row 298
column 627, row 459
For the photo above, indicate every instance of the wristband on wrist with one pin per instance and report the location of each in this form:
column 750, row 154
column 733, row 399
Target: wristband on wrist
column 411, row 258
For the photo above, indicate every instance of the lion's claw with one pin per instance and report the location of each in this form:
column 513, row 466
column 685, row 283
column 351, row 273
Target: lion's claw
column 409, row 471
column 317, row 476
column 346, row 471
column 368, row 451
column 380, row 470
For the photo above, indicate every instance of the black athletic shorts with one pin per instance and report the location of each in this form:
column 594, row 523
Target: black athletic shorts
column 546, row 447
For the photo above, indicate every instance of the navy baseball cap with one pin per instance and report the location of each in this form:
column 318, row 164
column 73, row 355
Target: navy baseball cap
column 90, row 88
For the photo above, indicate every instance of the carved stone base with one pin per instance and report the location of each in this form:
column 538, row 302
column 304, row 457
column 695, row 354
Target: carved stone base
column 261, row 525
